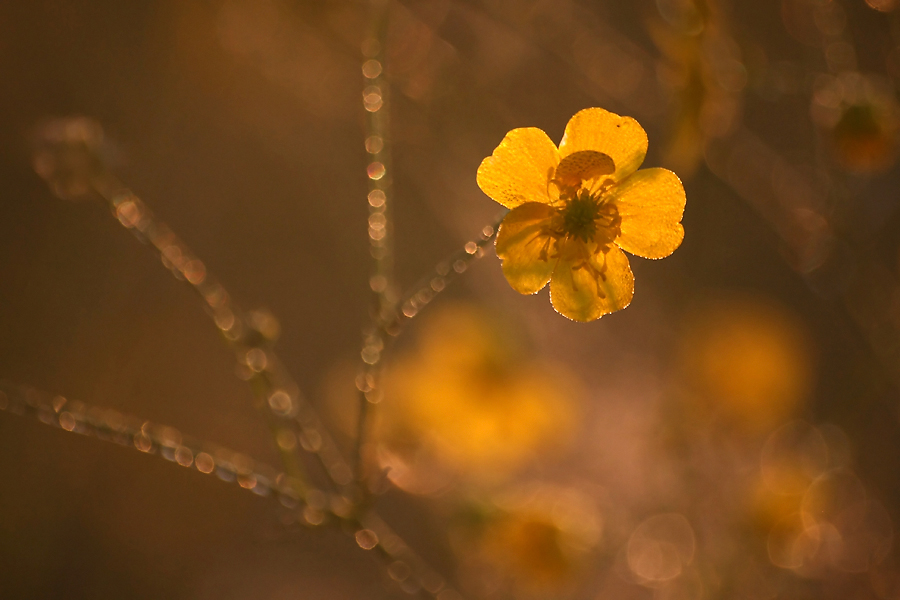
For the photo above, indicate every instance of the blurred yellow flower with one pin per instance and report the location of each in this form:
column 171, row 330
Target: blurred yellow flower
column 748, row 360
column 576, row 207
column 531, row 547
column 537, row 539
column 468, row 401
column 864, row 138
column 860, row 119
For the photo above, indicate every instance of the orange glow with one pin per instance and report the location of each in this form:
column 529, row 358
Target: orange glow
column 749, row 360
column 471, row 401
column 660, row 548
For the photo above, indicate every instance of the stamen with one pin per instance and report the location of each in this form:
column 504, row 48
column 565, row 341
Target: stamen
column 579, row 216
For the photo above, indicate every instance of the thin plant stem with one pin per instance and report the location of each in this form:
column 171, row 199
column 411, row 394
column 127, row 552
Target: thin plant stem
column 432, row 284
column 376, row 102
column 150, row 438
column 376, row 94
column 390, row 323
column 314, row 508
column 293, row 421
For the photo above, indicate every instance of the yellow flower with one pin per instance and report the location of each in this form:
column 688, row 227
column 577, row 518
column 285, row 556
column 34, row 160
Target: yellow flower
column 469, row 398
column 865, row 138
column 531, row 547
column 537, row 539
column 576, row 207
column 747, row 360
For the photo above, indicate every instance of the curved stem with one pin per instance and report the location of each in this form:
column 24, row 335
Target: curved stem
column 151, row 438
column 376, row 101
column 389, row 323
column 432, row 284
column 293, row 421
column 378, row 144
column 313, row 508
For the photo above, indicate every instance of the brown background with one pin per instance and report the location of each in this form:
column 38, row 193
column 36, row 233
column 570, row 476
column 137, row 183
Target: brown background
column 241, row 125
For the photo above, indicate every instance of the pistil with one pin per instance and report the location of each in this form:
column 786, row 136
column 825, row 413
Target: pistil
column 579, row 216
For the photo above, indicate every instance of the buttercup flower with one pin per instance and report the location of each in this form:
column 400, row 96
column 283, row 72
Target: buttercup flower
column 469, row 400
column 538, row 539
column 576, row 207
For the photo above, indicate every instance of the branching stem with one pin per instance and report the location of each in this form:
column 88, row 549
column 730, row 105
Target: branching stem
column 292, row 420
column 314, row 508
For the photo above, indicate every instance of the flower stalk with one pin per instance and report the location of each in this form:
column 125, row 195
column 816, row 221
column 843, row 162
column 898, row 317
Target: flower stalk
column 378, row 145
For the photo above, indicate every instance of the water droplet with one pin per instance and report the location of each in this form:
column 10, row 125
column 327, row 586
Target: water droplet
column 184, row 456
column 204, row 463
column 378, row 283
column 280, row 402
column 141, row 442
column 311, row 440
column 225, row 320
column 257, row 360
column 340, row 473
column 248, row 482
column 67, row 422
column 366, row 538
column 371, row 69
column 265, row 323
column 286, row 439
column 660, row 547
column 377, row 221
column 375, row 170
column 399, row 570
column 313, row 516
column 374, row 144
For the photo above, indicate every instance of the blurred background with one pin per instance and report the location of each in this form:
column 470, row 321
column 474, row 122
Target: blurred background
column 733, row 434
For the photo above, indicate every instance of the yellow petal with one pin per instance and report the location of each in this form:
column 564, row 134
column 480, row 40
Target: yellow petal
column 520, row 244
column 621, row 138
column 650, row 203
column 583, row 165
column 520, row 168
column 578, row 295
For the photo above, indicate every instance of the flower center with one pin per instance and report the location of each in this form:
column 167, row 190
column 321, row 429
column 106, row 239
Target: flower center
column 580, row 216
column 581, row 220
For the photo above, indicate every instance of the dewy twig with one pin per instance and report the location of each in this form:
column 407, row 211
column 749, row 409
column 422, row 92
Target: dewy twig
column 378, row 144
column 390, row 323
column 389, row 312
column 427, row 288
column 69, row 154
column 251, row 335
column 70, row 161
column 159, row 440
column 376, row 94
column 314, row 508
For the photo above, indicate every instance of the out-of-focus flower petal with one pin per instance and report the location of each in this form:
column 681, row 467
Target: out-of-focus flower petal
column 583, row 165
column 621, row 138
column 468, row 403
column 578, row 295
column 650, row 203
column 520, row 168
column 520, row 244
